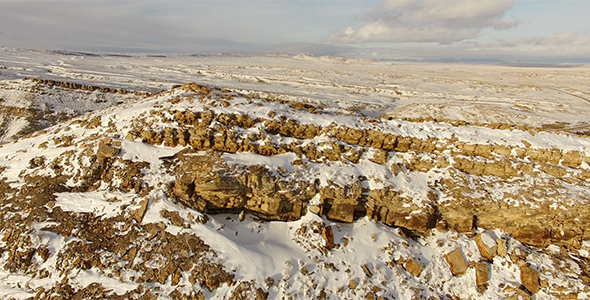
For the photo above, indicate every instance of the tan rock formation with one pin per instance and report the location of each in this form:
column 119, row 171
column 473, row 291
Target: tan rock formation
column 456, row 262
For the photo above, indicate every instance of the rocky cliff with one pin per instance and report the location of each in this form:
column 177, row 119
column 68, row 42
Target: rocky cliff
column 125, row 193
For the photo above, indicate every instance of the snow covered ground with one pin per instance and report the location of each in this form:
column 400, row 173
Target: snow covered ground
column 271, row 259
column 555, row 97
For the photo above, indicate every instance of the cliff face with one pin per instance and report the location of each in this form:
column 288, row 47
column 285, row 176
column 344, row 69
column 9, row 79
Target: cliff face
column 130, row 190
column 467, row 184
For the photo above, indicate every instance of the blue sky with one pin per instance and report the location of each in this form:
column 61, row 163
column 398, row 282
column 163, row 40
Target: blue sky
column 539, row 30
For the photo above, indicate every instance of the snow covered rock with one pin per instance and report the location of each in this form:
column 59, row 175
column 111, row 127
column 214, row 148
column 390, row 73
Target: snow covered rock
column 208, row 192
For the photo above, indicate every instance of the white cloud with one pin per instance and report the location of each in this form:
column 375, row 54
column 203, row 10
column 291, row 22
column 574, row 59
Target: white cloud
column 559, row 47
column 398, row 21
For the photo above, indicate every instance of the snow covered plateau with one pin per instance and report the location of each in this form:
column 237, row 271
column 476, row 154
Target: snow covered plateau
column 136, row 176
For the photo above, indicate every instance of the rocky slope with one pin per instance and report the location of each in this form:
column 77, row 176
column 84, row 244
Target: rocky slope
column 29, row 105
column 201, row 192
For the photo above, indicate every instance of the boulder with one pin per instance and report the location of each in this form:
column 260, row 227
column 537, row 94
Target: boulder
column 138, row 214
column 314, row 209
column 107, row 151
column 413, row 267
column 328, row 236
column 343, row 212
column 481, row 275
column 529, row 278
column 502, row 247
column 456, row 262
column 486, row 245
column 379, row 156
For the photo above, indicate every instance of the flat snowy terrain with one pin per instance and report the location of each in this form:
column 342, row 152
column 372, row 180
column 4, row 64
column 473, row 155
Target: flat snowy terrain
column 554, row 97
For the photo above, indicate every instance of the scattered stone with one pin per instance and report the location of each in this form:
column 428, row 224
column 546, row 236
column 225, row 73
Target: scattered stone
column 173, row 216
column 456, row 262
column 328, row 237
column 107, row 151
column 261, row 294
column 413, row 267
column 502, row 247
column 367, row 271
column 481, row 275
column 138, row 214
column 529, row 278
column 36, row 162
column 314, row 209
column 486, row 245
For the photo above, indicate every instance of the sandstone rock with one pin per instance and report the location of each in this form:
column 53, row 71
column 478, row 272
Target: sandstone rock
column 486, row 245
column 367, row 271
column 571, row 159
column 394, row 169
column 502, row 247
column 379, row 156
column 330, row 150
column 554, row 171
column 130, row 257
column 389, row 142
column 532, row 234
column 138, row 214
column 413, row 267
column 343, row 212
column 107, row 151
column 183, row 188
column 328, row 237
column 502, row 150
column 516, row 294
column 350, row 154
column 170, row 139
column 314, row 209
column 261, row 294
column 481, row 275
column 94, row 122
column 483, row 150
column 529, row 278
column 456, row 262
column 403, row 144
column 386, row 206
column 466, row 149
column 173, row 216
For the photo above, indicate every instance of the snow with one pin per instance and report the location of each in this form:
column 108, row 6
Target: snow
column 479, row 94
column 489, row 238
column 348, row 91
column 103, row 204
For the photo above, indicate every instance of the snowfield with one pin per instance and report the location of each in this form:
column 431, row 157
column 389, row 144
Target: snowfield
column 286, row 177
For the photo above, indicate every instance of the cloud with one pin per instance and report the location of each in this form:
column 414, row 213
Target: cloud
column 450, row 21
column 558, row 48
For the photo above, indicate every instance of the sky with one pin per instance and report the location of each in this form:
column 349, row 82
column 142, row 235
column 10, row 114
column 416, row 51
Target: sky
column 513, row 30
